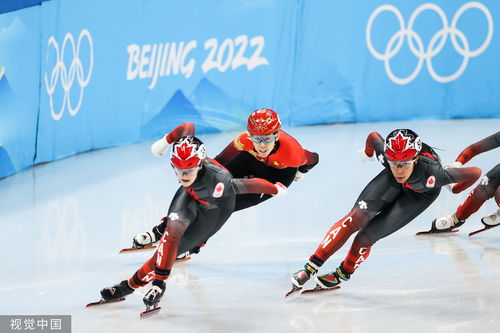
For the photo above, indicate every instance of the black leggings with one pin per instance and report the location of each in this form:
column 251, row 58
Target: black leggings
column 389, row 207
column 200, row 222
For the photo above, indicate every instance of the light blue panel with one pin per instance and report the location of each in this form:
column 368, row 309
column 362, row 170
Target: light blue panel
column 341, row 74
column 144, row 67
column 19, row 86
column 119, row 72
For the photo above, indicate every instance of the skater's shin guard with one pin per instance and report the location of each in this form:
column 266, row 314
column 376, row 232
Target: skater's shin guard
column 357, row 254
column 474, row 201
column 144, row 275
column 167, row 252
column 339, row 233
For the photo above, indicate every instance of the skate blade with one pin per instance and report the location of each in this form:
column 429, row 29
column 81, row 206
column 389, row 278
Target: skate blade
column 183, row 259
column 430, row 232
column 135, row 249
column 104, row 302
column 150, row 311
column 483, row 229
column 294, row 289
column 318, row 289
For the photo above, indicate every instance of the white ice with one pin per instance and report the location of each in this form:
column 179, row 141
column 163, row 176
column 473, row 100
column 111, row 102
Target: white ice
column 64, row 222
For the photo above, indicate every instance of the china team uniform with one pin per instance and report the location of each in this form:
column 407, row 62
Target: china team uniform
column 281, row 165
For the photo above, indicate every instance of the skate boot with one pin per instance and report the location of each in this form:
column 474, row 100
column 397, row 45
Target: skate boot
column 492, row 220
column 154, row 295
column 146, row 238
column 332, row 279
column 301, row 277
column 187, row 255
column 446, row 223
column 117, row 291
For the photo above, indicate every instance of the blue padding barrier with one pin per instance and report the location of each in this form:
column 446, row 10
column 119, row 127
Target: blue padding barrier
column 78, row 75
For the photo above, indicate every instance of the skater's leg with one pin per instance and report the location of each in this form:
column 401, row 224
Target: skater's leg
column 403, row 211
column 380, row 193
column 487, row 188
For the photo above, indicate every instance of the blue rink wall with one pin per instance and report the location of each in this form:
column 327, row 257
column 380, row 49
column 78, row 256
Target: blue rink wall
column 77, row 75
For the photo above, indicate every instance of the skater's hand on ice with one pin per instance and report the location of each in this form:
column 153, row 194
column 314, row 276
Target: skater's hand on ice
column 282, row 190
column 160, row 147
column 298, row 176
column 365, row 158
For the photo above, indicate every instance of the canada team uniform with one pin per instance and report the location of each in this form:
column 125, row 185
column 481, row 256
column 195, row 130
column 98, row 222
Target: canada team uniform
column 385, row 205
column 196, row 213
column 486, row 189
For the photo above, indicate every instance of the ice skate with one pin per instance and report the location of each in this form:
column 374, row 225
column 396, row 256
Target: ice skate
column 117, row 291
column 489, row 221
column 448, row 223
column 330, row 280
column 153, row 297
column 114, row 294
column 184, row 256
column 492, row 220
column 145, row 239
column 301, row 277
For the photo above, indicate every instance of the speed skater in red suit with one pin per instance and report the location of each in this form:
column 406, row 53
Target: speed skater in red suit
column 263, row 151
column 198, row 210
column 410, row 181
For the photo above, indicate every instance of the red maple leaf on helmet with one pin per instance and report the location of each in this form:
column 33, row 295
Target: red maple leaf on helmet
column 399, row 143
column 184, row 151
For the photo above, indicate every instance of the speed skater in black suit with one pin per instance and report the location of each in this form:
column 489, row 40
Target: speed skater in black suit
column 410, row 181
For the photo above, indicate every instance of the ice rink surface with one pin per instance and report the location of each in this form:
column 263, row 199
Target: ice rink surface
column 64, row 222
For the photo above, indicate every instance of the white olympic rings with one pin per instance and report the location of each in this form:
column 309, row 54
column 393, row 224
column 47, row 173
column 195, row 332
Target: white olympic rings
column 68, row 77
column 436, row 43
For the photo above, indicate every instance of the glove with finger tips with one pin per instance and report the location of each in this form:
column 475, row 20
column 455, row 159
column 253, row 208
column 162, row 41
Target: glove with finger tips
column 160, row 147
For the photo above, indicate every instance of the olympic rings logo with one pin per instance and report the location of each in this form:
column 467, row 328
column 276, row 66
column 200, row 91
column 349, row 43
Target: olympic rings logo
column 436, row 43
column 68, row 76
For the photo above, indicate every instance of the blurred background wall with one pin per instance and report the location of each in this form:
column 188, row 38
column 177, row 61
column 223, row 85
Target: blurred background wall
column 77, row 75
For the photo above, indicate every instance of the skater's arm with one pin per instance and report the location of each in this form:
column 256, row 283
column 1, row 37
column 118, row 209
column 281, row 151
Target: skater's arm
column 374, row 144
column 160, row 146
column 256, row 185
column 180, row 131
column 464, row 177
column 488, row 143
column 227, row 154
column 311, row 159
